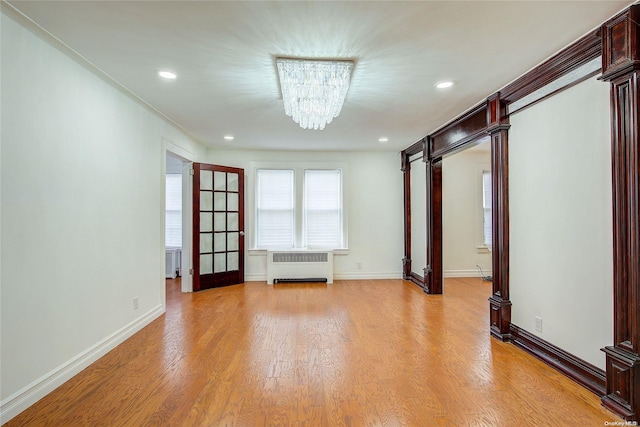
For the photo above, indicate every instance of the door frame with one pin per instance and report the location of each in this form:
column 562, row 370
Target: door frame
column 185, row 262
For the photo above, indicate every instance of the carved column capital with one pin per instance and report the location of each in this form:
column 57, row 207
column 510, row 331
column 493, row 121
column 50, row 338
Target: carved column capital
column 621, row 44
column 497, row 117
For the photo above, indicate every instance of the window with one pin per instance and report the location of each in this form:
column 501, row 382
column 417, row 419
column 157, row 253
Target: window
column 323, row 208
column 173, row 211
column 299, row 207
column 486, row 208
column 275, row 208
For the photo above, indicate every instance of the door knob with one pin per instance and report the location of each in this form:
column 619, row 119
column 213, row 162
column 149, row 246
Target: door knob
column 242, row 233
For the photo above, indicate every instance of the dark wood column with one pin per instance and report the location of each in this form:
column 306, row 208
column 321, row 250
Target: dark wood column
column 498, row 129
column 433, row 273
column 406, row 176
column 621, row 67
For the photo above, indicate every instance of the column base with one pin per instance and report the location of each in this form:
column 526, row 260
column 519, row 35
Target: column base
column 406, row 268
column 623, row 383
column 500, row 317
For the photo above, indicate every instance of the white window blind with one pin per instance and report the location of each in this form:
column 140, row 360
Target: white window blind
column 486, row 208
column 173, row 211
column 323, row 208
column 275, row 208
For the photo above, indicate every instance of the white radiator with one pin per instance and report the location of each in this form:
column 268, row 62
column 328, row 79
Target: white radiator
column 172, row 258
column 299, row 266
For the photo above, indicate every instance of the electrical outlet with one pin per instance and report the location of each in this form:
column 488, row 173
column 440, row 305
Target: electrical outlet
column 538, row 324
column 359, row 266
column 135, row 303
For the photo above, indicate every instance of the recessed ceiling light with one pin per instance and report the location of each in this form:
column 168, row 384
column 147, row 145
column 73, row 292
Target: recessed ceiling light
column 445, row 84
column 383, row 139
column 167, row 75
column 228, row 137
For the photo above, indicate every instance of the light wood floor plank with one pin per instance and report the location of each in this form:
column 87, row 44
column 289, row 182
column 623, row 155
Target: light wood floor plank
column 356, row 353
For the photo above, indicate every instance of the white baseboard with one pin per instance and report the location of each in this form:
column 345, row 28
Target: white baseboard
column 354, row 275
column 465, row 273
column 22, row 399
column 357, row 275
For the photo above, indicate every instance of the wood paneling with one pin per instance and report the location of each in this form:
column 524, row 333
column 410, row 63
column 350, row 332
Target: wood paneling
column 625, row 187
column 499, row 303
column 464, row 129
column 352, row 353
column 621, row 67
column 434, row 272
column 406, row 190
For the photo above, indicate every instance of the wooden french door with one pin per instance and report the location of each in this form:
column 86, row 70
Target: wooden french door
column 218, row 226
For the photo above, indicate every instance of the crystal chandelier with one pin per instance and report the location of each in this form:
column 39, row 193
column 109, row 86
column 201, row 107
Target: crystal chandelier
column 313, row 91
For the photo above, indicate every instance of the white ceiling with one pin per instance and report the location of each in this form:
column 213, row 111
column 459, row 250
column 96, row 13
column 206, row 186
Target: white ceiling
column 224, row 54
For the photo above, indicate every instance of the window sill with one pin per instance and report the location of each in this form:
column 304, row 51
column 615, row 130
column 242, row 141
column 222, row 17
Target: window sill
column 263, row 252
column 482, row 249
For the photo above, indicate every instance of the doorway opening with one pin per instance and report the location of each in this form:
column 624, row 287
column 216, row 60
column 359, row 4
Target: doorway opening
column 177, row 222
column 467, row 221
column 466, row 213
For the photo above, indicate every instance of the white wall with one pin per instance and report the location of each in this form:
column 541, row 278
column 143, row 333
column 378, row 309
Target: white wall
column 173, row 165
column 82, row 177
column 462, row 225
column 373, row 199
column 561, row 220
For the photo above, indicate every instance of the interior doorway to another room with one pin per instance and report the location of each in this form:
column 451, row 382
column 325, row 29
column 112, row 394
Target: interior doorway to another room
column 417, row 190
column 466, row 213
column 177, row 221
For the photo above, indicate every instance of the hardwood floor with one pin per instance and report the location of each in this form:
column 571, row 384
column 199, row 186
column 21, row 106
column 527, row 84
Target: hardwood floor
column 356, row 353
